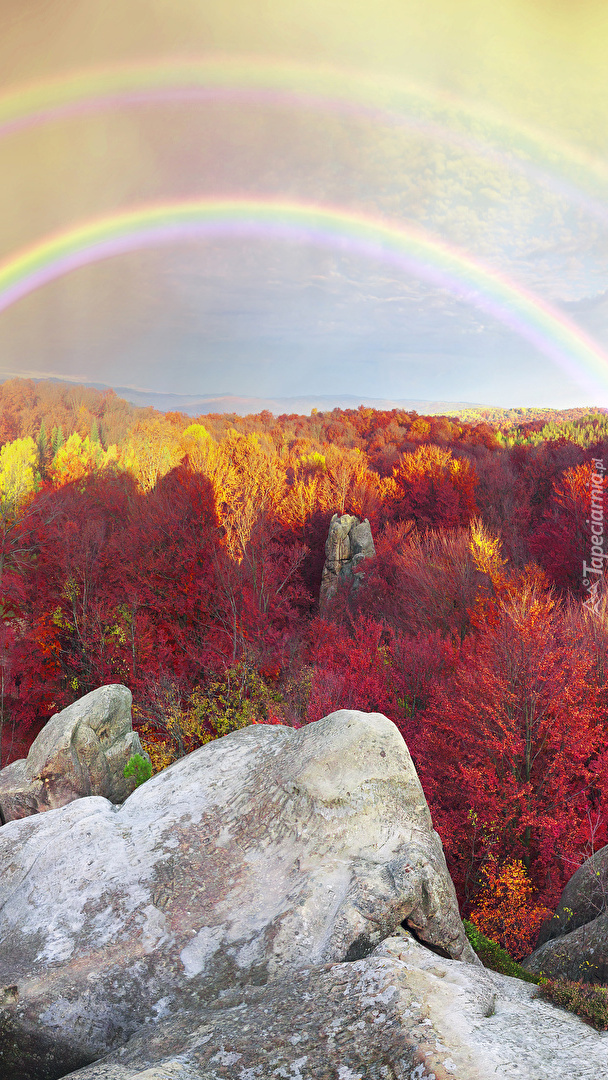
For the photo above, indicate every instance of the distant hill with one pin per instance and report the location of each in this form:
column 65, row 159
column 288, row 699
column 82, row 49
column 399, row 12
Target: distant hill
column 197, row 405
column 116, row 408
column 471, row 412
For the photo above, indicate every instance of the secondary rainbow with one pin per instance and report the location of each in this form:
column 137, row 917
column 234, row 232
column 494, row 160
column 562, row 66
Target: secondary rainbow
column 566, row 169
column 409, row 249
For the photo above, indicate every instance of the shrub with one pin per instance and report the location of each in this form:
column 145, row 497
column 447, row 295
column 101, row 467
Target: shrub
column 139, row 767
column 174, row 724
column 496, row 958
column 588, row 1002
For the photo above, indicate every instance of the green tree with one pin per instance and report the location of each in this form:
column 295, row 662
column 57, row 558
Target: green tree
column 57, row 439
column 43, row 441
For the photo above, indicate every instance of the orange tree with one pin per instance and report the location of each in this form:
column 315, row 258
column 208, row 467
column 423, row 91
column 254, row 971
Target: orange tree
column 506, row 910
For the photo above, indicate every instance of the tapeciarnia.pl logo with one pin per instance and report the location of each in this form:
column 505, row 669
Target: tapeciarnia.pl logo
column 593, row 572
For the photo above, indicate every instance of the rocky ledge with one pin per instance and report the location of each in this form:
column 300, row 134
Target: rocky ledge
column 401, row 1013
column 277, row 904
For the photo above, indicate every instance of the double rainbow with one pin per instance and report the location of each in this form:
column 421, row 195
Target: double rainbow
column 567, row 170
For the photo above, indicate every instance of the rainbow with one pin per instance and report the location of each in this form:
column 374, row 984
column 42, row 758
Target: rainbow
column 410, row 250
column 431, row 114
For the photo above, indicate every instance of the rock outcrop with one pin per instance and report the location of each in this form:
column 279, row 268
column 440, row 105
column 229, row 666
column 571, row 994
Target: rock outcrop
column 81, row 751
column 573, row 944
column 260, row 854
column 402, row 1012
column 349, row 541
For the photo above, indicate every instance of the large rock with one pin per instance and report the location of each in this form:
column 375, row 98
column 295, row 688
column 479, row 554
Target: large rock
column 573, row 943
column 261, row 853
column 401, row 1013
column 349, row 542
column 81, row 751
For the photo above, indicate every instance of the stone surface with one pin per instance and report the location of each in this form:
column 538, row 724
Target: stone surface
column 573, row 943
column 349, row 541
column 400, row 1014
column 263, row 852
column 81, row 751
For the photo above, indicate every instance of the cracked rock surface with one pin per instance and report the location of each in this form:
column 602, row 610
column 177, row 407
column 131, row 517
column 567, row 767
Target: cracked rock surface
column 258, row 855
column 401, row 1013
column 349, row 542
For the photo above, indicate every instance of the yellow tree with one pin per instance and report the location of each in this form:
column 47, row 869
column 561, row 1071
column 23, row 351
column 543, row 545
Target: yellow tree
column 486, row 550
column 18, row 478
column 306, row 491
column 18, row 473
column 78, row 457
column 199, row 447
column 153, row 449
column 249, row 480
column 353, row 487
column 507, row 910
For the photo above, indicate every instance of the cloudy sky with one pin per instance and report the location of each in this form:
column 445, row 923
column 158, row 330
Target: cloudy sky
column 482, row 125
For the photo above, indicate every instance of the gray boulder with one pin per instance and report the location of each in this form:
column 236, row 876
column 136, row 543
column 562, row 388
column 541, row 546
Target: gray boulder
column 573, row 943
column 259, row 854
column 80, row 751
column 349, row 542
column 402, row 1012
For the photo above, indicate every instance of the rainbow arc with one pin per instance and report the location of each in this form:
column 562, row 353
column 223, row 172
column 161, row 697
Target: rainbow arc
column 568, row 170
column 408, row 249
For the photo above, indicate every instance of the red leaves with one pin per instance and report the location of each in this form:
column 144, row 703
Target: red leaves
column 513, row 744
column 499, row 691
column 349, row 670
column 434, row 488
column 562, row 541
column 120, row 583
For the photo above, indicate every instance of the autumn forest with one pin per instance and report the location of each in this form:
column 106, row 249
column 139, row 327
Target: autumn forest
column 183, row 556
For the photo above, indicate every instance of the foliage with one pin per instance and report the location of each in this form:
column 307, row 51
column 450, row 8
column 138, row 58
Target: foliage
column 486, row 552
column 514, row 744
column 434, row 488
column 183, row 556
column 350, row 669
column 424, row 581
column 79, row 457
column 18, row 473
column 505, row 910
column 177, row 725
column 238, row 698
column 152, row 450
column 493, row 956
column 588, row 1002
column 60, row 409
column 139, row 767
column 562, row 541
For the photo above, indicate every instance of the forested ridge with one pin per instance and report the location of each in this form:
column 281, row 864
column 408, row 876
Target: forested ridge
column 183, row 558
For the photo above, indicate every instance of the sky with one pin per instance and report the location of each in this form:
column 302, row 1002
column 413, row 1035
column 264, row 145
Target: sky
column 474, row 132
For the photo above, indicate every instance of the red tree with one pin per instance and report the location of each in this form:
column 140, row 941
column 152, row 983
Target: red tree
column 562, row 541
column 514, row 753
column 434, row 488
